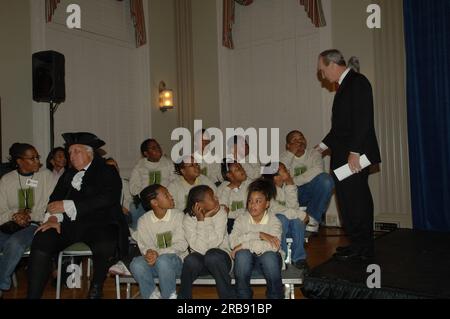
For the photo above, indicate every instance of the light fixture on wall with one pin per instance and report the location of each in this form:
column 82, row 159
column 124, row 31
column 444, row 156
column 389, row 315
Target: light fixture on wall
column 165, row 97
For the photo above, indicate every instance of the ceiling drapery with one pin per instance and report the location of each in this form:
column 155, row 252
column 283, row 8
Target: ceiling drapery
column 312, row 7
column 137, row 15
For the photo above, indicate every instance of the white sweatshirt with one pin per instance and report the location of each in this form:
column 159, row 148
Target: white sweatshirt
column 165, row 236
column 235, row 199
column 210, row 233
column 179, row 189
column 246, row 232
column 303, row 169
column 146, row 173
column 286, row 203
column 13, row 194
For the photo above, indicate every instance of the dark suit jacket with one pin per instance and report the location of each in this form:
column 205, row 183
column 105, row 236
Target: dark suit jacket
column 352, row 124
column 98, row 201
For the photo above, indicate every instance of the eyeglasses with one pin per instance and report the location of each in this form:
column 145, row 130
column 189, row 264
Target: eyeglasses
column 34, row 158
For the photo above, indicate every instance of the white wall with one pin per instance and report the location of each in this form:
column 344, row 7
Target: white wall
column 107, row 78
column 15, row 74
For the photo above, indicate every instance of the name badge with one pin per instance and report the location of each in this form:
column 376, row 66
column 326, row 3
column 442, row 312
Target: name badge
column 32, row 183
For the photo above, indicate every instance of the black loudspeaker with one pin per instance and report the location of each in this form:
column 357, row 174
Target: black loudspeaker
column 48, row 77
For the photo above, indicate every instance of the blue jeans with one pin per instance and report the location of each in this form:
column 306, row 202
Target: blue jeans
column 215, row 262
column 295, row 229
column 166, row 268
column 316, row 195
column 135, row 214
column 269, row 264
column 13, row 246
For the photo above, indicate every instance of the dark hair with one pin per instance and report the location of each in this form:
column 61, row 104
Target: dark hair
column 289, row 135
column 147, row 194
column 144, row 145
column 52, row 154
column 225, row 167
column 180, row 163
column 270, row 174
column 16, row 151
column 178, row 167
column 195, row 195
column 265, row 186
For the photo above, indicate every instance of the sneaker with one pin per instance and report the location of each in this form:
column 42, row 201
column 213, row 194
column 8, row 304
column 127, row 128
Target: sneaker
column 173, row 295
column 155, row 294
column 312, row 227
column 119, row 269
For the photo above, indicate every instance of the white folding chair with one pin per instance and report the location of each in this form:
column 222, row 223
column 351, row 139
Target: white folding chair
column 76, row 250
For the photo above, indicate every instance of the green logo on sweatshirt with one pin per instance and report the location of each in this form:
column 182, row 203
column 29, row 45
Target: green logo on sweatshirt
column 235, row 205
column 282, row 203
column 299, row 170
column 154, row 177
column 164, row 240
column 25, row 198
column 204, row 171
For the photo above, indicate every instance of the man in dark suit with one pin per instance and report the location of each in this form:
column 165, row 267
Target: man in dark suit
column 84, row 207
column 352, row 134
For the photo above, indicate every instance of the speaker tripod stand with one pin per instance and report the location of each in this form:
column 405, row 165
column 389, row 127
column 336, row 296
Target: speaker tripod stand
column 53, row 109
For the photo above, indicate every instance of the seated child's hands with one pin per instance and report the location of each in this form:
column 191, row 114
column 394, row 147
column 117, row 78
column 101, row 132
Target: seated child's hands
column 274, row 241
column 285, row 175
column 199, row 212
column 151, row 256
column 226, row 208
column 235, row 250
column 213, row 211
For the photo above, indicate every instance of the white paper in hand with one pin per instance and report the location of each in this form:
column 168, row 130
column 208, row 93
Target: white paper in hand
column 344, row 171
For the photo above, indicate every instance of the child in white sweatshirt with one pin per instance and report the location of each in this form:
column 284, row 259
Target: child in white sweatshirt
column 255, row 240
column 152, row 168
column 162, row 244
column 232, row 193
column 294, row 220
column 188, row 172
column 205, row 229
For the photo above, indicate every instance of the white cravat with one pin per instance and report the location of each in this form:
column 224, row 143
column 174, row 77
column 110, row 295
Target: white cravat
column 78, row 179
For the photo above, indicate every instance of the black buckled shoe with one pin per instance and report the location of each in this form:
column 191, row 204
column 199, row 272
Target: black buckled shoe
column 96, row 291
column 347, row 254
column 343, row 248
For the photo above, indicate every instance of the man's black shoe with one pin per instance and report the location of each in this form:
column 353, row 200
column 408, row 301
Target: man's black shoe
column 347, row 254
column 367, row 254
column 96, row 291
column 343, row 248
column 303, row 266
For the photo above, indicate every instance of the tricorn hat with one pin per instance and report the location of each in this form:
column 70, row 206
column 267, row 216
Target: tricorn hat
column 84, row 138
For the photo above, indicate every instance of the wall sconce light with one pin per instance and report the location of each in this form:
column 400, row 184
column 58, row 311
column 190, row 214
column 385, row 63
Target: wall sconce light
column 165, row 97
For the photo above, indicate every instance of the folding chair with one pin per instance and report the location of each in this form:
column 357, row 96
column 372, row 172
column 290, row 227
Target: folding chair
column 76, row 250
